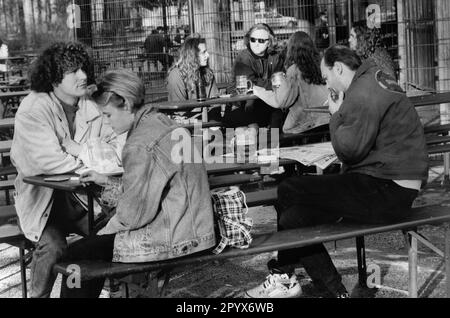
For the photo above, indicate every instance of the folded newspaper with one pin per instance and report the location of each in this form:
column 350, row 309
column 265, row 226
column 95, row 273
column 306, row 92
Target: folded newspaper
column 321, row 154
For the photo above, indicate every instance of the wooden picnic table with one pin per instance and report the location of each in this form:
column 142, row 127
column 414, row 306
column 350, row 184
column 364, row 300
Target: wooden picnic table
column 6, row 123
column 192, row 103
column 71, row 185
column 416, row 100
column 13, row 59
column 5, row 146
column 227, row 168
column 14, row 94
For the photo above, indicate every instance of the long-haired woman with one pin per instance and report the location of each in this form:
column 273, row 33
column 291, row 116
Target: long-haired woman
column 302, row 86
column 190, row 70
column 367, row 43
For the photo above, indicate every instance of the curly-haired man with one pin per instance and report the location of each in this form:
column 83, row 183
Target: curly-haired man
column 51, row 125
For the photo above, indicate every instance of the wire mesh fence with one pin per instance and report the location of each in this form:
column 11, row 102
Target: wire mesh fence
column 145, row 35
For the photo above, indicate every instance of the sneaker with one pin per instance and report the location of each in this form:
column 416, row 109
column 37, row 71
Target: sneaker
column 276, row 286
column 343, row 295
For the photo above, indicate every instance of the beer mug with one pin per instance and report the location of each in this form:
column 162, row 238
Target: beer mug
column 200, row 91
column 243, row 85
column 277, row 79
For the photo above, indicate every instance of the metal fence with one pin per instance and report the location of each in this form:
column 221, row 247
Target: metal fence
column 145, row 35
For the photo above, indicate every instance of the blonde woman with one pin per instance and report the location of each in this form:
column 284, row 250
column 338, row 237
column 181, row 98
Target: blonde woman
column 163, row 208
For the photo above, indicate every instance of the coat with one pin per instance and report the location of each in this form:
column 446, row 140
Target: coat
column 40, row 127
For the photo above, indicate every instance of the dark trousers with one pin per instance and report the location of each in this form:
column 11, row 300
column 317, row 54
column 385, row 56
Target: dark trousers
column 90, row 248
column 66, row 216
column 312, row 200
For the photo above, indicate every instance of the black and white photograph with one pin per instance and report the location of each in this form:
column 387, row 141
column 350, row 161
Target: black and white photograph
column 222, row 155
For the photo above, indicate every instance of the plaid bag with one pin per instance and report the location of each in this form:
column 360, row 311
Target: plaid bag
column 230, row 209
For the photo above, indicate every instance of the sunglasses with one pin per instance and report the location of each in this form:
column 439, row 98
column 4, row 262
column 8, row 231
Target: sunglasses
column 253, row 40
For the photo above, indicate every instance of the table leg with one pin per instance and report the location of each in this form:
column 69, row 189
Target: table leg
column 205, row 114
column 90, row 213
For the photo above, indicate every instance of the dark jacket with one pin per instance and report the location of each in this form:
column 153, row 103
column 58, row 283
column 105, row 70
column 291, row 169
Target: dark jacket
column 259, row 69
column 377, row 130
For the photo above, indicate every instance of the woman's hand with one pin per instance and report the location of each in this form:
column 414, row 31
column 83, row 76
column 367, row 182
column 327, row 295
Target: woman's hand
column 71, row 147
column 93, row 177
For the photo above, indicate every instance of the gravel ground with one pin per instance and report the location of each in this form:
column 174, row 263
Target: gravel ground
column 231, row 278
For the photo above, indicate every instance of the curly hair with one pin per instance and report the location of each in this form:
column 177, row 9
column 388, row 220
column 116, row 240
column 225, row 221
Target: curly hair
column 57, row 60
column 367, row 40
column 189, row 65
column 302, row 52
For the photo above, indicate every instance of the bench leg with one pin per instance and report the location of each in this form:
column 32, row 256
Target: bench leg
column 447, row 258
column 411, row 243
column 446, row 180
column 361, row 257
column 23, row 273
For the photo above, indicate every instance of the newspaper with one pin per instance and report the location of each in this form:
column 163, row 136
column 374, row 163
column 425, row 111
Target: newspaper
column 321, row 154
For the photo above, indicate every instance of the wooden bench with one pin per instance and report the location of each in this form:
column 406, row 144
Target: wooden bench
column 10, row 233
column 287, row 239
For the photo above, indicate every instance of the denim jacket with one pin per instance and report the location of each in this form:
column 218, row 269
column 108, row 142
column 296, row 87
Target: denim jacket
column 165, row 208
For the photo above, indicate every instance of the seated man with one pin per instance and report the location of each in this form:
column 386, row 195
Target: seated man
column 377, row 135
column 51, row 125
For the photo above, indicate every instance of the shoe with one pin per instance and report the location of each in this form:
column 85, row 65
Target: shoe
column 343, row 295
column 276, row 286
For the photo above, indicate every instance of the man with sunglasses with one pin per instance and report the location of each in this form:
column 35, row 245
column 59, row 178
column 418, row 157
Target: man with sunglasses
column 51, row 125
column 258, row 62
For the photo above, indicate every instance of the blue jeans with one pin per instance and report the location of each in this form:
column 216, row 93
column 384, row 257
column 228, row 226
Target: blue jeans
column 305, row 201
column 66, row 216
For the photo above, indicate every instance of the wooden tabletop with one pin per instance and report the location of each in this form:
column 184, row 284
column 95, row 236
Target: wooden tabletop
column 191, row 104
column 14, row 94
column 13, row 58
column 69, row 185
column 5, row 146
column 416, row 100
column 219, row 168
column 6, row 123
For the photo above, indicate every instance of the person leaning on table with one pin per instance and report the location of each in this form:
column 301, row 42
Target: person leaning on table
column 163, row 208
column 51, row 125
column 302, row 87
column 189, row 70
column 377, row 135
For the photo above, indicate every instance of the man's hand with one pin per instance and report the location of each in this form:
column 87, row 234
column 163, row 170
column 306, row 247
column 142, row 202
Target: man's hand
column 71, row 147
column 93, row 177
column 335, row 104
